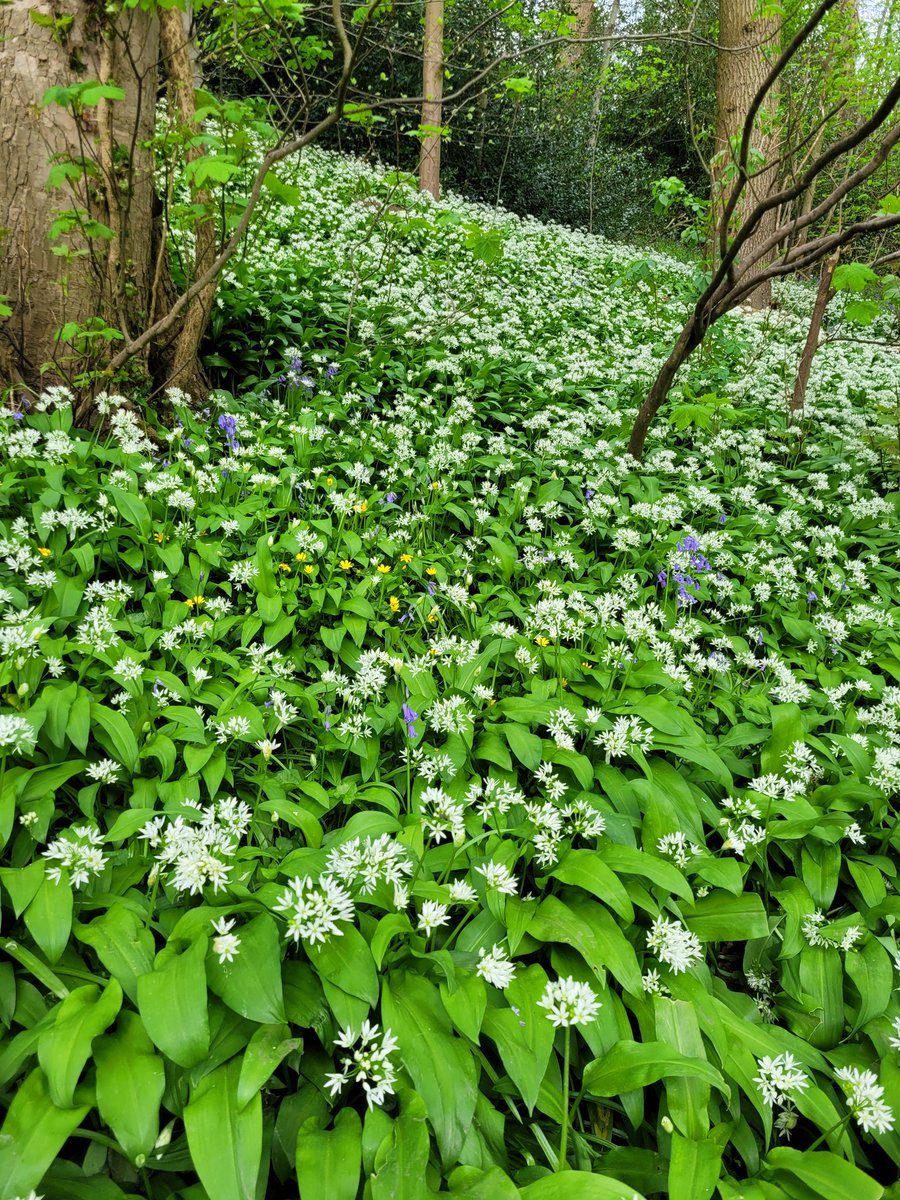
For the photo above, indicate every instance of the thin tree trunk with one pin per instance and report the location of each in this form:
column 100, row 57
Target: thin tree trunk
column 823, row 295
column 743, row 61
column 689, row 339
column 432, row 90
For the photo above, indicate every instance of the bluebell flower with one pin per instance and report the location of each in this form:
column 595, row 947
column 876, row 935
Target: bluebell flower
column 812, row 597
column 409, row 716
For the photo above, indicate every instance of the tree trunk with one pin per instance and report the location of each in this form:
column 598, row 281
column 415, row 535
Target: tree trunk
column 180, row 360
column 572, row 54
column 690, row 338
column 432, row 90
column 104, row 276
column 611, row 23
column 746, row 45
column 823, row 295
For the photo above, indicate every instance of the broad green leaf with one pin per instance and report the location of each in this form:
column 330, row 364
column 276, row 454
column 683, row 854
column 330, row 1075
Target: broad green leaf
column 688, row 1098
column 268, row 1046
column 632, row 1065
column 527, row 747
column 48, row 918
column 32, row 1135
column 442, row 1066
column 172, row 1003
column 522, row 1033
column 112, row 731
column 465, row 1006
column 251, row 983
column 476, row 1184
column 122, row 943
column 225, row 1140
column 578, row 1185
column 626, row 860
column 64, row 1048
column 586, row 869
column 588, row 927
column 328, row 1161
column 347, row 963
column 694, row 1167
column 132, row 508
column 825, row 1174
column 872, row 974
column 131, row 1080
column 402, row 1159
column 721, row 918
column 822, row 977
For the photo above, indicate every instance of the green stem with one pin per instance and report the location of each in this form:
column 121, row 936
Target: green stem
column 562, row 1164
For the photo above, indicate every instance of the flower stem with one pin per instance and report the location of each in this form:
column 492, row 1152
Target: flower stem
column 562, row 1164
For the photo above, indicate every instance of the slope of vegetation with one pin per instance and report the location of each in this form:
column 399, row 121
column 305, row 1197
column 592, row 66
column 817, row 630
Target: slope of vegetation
column 404, row 792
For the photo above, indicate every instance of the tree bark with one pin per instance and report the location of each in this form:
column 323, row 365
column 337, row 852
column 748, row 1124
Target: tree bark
column 823, row 295
column 432, row 90
column 109, row 277
column 746, row 43
column 571, row 55
column 688, row 341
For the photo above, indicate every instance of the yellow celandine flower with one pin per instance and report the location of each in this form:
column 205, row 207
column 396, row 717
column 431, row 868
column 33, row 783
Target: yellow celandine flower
column 300, row 557
column 394, row 603
column 431, row 570
column 44, row 551
column 362, row 507
column 345, row 564
column 542, row 641
column 309, row 568
column 383, row 568
column 194, row 600
column 286, row 567
column 435, row 485
column 432, row 616
column 329, row 482
column 406, row 558
column 157, row 537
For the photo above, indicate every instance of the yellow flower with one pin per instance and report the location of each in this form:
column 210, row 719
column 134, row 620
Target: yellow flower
column 286, row 567
column 564, row 683
column 194, row 600
column 435, row 485
column 394, row 603
column 345, row 564
column 432, row 616
column 309, row 569
column 406, row 558
column 44, row 551
column 588, row 666
column 157, row 537
column 431, row 570
column 301, row 557
column 329, row 482
column 383, row 568
column 542, row 641
column 362, row 507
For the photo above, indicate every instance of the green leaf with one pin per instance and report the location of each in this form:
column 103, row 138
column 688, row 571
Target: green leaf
column 131, row 1080
column 721, row 918
column 92, row 93
column 225, row 1140
column 465, row 1006
column 630, row 1065
column 132, row 508
column 522, row 1034
column 527, row 747
column 114, row 734
column 872, row 974
column 826, row 1175
column 688, row 1098
column 32, row 1135
column 586, row 869
column 122, row 943
column 64, row 1048
column 853, row 277
column 347, row 963
column 694, row 1167
column 329, row 1161
column 48, row 917
column 172, row 1003
column 267, row 1048
column 588, row 927
column 578, row 1185
column 251, row 984
column 441, row 1065
column 402, row 1159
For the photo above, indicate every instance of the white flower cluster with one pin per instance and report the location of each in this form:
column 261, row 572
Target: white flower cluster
column 865, row 1099
column 569, row 1002
column 494, row 967
column 778, row 1076
column 16, row 734
column 368, row 1063
column 313, row 908
column 674, row 945
column 198, row 854
column 627, row 734
column 369, row 861
column 78, row 852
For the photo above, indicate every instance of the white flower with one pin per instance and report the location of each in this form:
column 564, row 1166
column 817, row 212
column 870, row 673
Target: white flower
column 499, row 877
column 865, row 1099
column 462, row 892
column 227, row 944
column 674, row 945
column 778, row 1076
column 16, row 734
column 432, row 916
column 105, row 770
column 894, row 1041
column 314, row 906
column 77, row 851
column 495, row 967
column 569, row 1002
column 367, row 1063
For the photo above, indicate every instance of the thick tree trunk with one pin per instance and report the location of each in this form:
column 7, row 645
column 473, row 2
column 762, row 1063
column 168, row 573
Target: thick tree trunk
column 432, row 90
column 180, row 361
column 747, row 45
column 572, row 54
column 107, row 277
column 823, row 295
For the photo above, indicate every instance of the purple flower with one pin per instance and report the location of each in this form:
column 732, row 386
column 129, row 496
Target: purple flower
column 332, row 371
column 589, row 494
column 812, row 597
column 409, row 716
column 722, row 518
column 662, row 578
column 388, row 498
